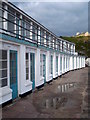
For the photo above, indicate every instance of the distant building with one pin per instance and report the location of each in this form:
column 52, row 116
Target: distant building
column 82, row 34
column 77, row 33
column 87, row 34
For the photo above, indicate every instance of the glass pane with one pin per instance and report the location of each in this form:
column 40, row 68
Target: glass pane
column 3, row 74
column 27, row 56
column 27, row 70
column 3, row 64
column 27, row 76
column 3, row 54
column 4, row 82
column 27, row 63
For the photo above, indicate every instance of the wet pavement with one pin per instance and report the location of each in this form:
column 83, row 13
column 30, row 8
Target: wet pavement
column 65, row 97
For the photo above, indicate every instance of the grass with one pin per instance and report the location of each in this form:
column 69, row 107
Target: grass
column 82, row 44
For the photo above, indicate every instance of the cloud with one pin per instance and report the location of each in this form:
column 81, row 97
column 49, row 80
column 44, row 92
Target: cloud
column 62, row 18
column 49, row 0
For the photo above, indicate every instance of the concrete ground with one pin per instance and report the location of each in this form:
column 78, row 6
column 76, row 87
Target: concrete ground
column 65, row 97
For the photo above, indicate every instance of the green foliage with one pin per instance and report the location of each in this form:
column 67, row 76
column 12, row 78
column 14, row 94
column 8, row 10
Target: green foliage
column 82, row 44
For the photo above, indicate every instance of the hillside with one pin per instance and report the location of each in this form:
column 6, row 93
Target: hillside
column 82, row 44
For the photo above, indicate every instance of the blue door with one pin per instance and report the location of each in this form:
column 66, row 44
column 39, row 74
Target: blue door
column 32, row 69
column 44, row 67
column 13, row 73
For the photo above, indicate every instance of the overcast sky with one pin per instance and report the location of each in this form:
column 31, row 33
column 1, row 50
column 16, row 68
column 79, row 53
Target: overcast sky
column 62, row 18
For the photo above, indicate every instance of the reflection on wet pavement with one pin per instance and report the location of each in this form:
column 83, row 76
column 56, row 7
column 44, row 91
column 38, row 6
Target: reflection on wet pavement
column 56, row 102
column 66, row 87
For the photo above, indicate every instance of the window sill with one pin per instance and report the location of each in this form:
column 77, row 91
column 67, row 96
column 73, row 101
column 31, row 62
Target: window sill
column 56, row 73
column 51, row 75
column 41, row 78
column 5, row 90
column 28, row 83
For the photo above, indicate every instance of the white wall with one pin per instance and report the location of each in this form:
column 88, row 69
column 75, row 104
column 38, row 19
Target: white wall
column 59, row 65
column 24, row 85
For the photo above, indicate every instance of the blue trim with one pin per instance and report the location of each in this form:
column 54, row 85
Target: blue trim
column 13, row 81
column 32, row 69
column 17, row 40
column 20, row 41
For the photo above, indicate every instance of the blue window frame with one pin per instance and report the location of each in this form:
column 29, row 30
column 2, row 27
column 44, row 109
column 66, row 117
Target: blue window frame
column 32, row 69
column 13, row 73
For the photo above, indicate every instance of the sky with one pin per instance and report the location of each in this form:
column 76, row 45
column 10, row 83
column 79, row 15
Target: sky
column 62, row 18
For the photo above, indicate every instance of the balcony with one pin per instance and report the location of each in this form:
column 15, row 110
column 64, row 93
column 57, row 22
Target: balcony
column 17, row 24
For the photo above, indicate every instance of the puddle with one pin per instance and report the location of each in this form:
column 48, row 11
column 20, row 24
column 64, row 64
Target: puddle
column 66, row 87
column 54, row 102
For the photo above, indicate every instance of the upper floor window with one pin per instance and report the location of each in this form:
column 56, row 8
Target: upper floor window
column 42, row 36
column 35, row 30
column 23, row 29
column 11, row 20
column 28, row 29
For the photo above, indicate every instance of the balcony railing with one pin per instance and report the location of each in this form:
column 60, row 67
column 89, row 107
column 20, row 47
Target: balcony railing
column 19, row 26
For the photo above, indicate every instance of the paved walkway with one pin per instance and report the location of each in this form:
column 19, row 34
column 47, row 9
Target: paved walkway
column 64, row 97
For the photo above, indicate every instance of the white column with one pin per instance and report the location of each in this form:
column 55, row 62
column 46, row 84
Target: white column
column 84, row 61
column 59, row 65
column 62, row 63
column 74, row 62
column 78, row 61
column 65, row 64
column 22, row 69
column 39, row 35
column 24, row 85
column 54, row 65
column 74, row 48
column 48, row 66
column 45, row 38
column 71, row 63
column 38, row 80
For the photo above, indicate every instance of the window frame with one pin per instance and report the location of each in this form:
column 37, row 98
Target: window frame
column 7, row 83
column 28, row 66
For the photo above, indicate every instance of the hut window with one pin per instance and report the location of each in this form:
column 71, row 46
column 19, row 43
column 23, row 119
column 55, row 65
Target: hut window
column 3, row 68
